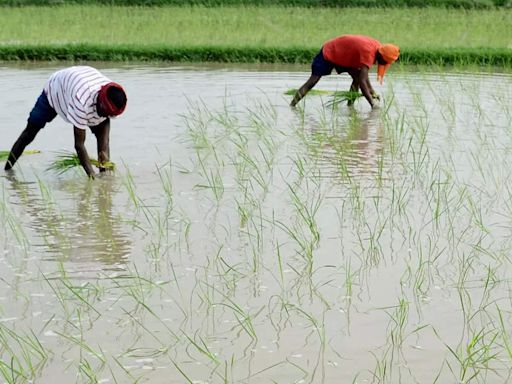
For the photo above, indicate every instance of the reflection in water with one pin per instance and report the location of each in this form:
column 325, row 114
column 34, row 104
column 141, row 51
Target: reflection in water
column 353, row 146
column 86, row 232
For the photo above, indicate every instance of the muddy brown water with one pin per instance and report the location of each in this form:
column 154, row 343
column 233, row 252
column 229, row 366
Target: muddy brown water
column 243, row 241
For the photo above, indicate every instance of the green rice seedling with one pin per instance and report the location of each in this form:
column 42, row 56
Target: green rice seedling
column 252, row 376
column 79, row 341
column 87, row 370
column 203, row 348
column 341, row 97
column 78, row 293
column 505, row 334
column 475, row 356
column 68, row 160
column 198, row 120
column 398, row 323
column 253, row 170
column 244, row 209
column 307, row 211
column 165, row 175
column 180, row 370
column 22, row 355
column 5, row 154
column 382, row 370
column 419, row 149
column 123, row 369
column 53, row 284
column 305, row 251
column 129, row 183
column 10, row 221
column 214, row 180
column 244, row 319
column 319, row 327
column 316, row 323
column 151, row 217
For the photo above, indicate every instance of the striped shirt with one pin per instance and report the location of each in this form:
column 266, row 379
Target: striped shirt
column 73, row 92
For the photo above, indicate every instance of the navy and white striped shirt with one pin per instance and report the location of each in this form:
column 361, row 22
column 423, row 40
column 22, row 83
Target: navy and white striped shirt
column 73, row 92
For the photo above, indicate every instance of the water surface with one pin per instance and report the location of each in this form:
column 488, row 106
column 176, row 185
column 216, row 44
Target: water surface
column 243, row 241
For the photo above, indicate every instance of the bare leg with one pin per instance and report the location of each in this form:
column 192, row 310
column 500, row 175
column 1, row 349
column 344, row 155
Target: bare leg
column 308, row 85
column 354, row 87
column 26, row 137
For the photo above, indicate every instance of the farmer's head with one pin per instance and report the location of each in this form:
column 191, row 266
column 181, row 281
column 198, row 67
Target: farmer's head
column 111, row 100
column 387, row 54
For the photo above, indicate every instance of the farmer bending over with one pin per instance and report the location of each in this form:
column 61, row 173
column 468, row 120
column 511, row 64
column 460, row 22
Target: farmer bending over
column 354, row 54
column 82, row 96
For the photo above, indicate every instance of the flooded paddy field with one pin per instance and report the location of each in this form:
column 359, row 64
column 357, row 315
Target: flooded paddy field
column 242, row 241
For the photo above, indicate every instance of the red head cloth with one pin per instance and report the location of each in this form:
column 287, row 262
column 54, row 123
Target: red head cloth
column 389, row 53
column 108, row 106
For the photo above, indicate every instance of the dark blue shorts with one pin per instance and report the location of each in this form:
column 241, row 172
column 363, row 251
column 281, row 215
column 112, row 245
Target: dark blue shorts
column 42, row 112
column 322, row 67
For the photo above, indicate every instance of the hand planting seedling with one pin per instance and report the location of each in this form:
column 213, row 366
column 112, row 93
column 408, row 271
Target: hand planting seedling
column 82, row 97
column 342, row 96
column 68, row 160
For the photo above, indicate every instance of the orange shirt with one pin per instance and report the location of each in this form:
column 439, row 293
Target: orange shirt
column 351, row 51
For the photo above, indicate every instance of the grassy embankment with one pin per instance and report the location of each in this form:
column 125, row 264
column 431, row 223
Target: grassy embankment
column 249, row 34
column 468, row 4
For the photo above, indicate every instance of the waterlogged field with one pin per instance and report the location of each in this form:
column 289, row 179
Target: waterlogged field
column 241, row 241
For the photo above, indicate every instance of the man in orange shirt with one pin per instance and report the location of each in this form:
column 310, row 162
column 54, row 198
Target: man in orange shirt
column 354, row 54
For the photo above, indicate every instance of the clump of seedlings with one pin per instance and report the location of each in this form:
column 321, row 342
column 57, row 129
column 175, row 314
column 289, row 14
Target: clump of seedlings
column 68, row 160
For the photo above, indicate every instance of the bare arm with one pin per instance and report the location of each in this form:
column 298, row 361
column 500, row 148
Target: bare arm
column 102, row 133
column 366, row 87
column 82, row 152
column 308, row 85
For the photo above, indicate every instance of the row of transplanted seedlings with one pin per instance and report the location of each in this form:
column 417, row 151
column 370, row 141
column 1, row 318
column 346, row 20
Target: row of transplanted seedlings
column 284, row 245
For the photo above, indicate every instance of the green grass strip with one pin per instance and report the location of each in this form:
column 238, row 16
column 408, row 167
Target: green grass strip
column 90, row 52
column 467, row 4
column 136, row 53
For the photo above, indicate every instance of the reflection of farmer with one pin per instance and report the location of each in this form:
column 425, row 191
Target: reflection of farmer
column 354, row 54
column 92, row 222
column 82, row 96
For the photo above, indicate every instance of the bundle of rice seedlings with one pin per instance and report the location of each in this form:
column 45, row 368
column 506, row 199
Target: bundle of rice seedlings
column 69, row 160
column 5, row 154
column 343, row 96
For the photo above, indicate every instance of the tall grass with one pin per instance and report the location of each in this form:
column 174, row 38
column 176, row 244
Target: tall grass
column 254, row 27
column 287, row 3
